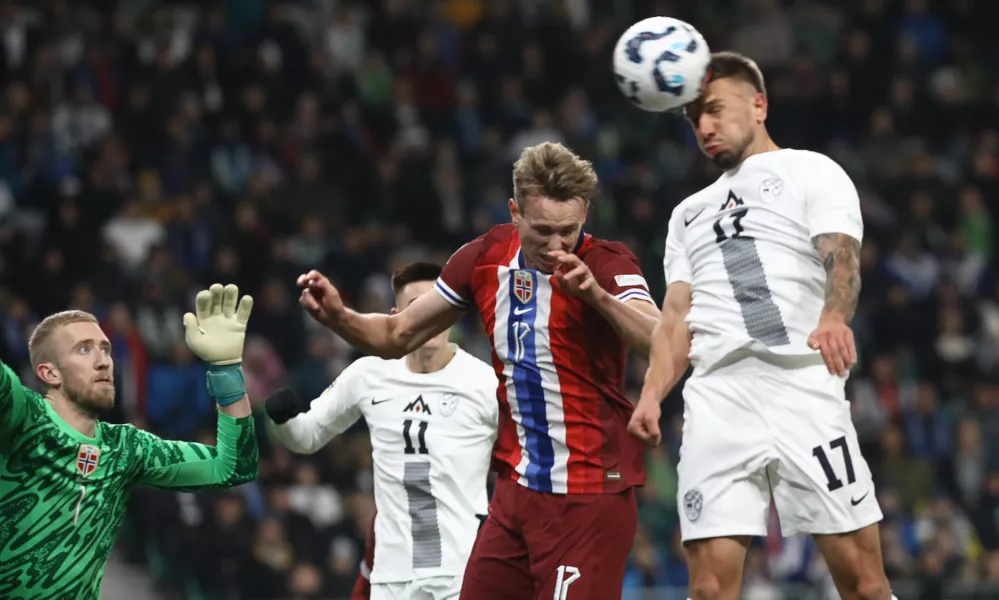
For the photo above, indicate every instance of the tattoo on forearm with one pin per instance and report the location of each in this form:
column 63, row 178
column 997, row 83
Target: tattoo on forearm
column 840, row 256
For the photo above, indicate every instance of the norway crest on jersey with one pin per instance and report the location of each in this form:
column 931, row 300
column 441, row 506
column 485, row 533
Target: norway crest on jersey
column 523, row 285
column 87, row 459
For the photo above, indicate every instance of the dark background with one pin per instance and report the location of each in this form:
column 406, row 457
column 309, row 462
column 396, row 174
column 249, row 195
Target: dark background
column 150, row 148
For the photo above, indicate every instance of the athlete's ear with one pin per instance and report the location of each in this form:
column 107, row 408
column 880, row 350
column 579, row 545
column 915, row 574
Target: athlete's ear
column 49, row 374
column 760, row 106
column 514, row 211
column 394, row 311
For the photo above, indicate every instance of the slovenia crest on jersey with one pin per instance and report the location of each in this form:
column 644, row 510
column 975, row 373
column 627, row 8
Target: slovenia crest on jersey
column 771, row 188
column 87, row 459
column 523, row 285
column 448, row 404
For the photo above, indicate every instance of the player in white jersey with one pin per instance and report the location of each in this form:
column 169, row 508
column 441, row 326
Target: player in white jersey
column 432, row 417
column 762, row 272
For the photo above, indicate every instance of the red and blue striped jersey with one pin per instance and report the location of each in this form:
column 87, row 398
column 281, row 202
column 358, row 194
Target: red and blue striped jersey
column 561, row 365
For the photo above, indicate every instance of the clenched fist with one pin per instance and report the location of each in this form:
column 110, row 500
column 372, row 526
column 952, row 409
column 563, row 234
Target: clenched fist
column 320, row 298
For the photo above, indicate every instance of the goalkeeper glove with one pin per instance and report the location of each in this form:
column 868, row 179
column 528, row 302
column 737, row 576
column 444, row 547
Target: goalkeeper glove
column 216, row 335
column 283, row 406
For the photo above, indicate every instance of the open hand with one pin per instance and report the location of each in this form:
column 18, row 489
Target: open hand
column 216, row 330
column 834, row 339
column 320, row 298
column 574, row 276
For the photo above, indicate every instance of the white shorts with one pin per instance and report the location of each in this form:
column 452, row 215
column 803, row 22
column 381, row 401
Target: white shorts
column 753, row 429
column 429, row 588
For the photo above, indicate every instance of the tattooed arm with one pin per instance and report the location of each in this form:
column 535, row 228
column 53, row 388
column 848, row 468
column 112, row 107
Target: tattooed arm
column 833, row 338
column 836, row 227
column 840, row 254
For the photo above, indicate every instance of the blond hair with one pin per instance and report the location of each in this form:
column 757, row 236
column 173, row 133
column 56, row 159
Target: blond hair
column 39, row 348
column 552, row 170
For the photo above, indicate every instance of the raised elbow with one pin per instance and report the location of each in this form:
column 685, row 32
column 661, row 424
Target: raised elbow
column 246, row 469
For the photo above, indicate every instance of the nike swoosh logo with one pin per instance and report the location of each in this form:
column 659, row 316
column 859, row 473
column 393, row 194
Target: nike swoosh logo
column 374, row 402
column 686, row 223
column 521, row 311
column 861, row 499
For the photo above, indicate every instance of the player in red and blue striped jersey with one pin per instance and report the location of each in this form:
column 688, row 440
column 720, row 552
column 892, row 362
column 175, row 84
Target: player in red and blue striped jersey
column 561, row 308
column 561, row 364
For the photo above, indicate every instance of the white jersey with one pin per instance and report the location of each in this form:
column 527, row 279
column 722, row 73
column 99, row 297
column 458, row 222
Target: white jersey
column 432, row 436
column 744, row 243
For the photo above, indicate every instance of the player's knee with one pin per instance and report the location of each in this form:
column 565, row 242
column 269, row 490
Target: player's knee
column 707, row 587
column 715, row 569
column 866, row 582
column 872, row 587
column 866, row 585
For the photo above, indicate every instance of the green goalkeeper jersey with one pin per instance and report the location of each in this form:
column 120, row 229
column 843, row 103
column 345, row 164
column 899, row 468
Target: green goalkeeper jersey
column 63, row 494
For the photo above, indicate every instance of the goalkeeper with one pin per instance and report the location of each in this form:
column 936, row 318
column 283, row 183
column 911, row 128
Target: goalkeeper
column 65, row 477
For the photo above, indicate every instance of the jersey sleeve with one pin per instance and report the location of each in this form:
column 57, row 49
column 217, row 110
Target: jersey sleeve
column 676, row 264
column 832, row 203
column 616, row 269
column 329, row 415
column 191, row 466
column 13, row 398
column 455, row 282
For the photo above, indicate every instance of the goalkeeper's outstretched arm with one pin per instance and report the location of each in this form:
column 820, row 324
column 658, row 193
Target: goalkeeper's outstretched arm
column 216, row 334
column 190, row 466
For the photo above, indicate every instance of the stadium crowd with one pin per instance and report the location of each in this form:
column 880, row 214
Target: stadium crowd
column 149, row 148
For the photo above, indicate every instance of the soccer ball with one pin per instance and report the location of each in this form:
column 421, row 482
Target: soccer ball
column 660, row 63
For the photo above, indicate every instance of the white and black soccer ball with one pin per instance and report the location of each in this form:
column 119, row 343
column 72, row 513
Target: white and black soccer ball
column 660, row 63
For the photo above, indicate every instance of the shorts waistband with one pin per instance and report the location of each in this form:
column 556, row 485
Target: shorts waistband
column 749, row 360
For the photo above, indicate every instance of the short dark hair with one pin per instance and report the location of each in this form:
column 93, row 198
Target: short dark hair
column 732, row 65
column 416, row 271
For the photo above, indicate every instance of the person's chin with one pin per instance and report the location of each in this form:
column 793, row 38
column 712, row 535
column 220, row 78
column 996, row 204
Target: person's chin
column 102, row 399
column 725, row 160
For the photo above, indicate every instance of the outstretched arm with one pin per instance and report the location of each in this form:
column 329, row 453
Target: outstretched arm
column 387, row 336
column 215, row 332
column 190, row 466
column 397, row 335
column 305, row 430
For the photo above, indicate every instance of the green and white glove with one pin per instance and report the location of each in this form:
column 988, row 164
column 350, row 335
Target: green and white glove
column 216, row 335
